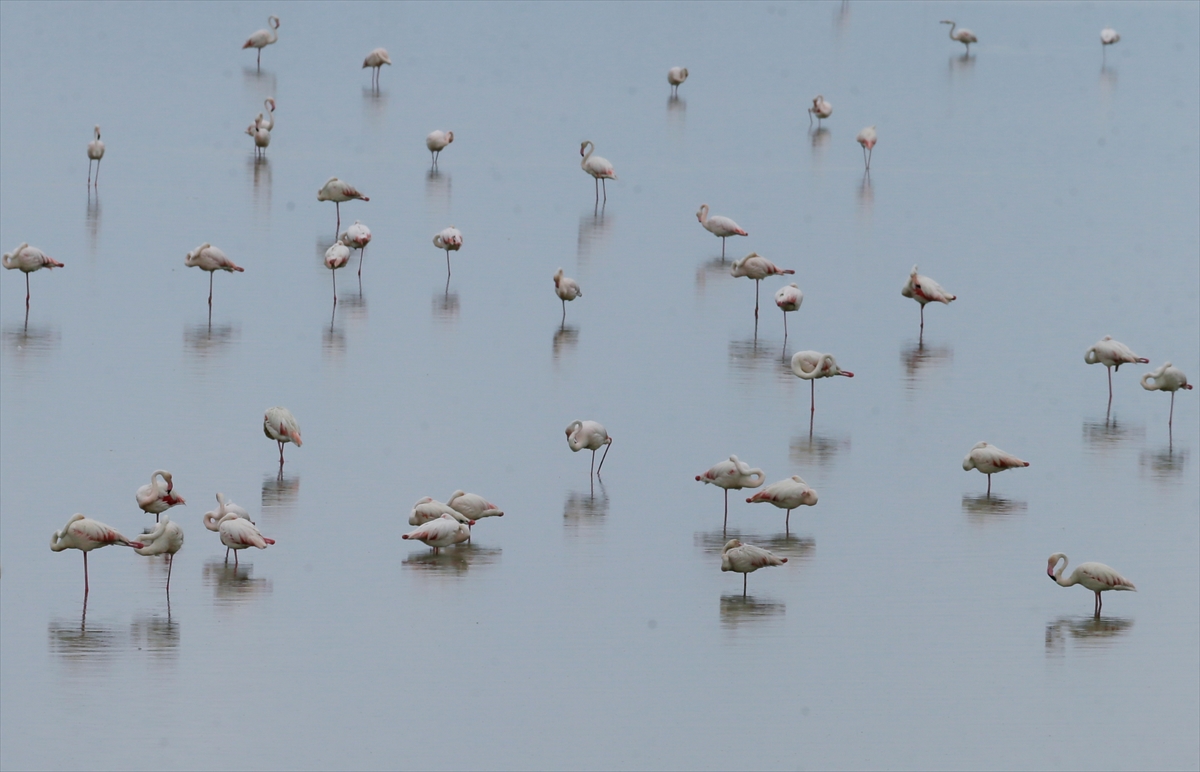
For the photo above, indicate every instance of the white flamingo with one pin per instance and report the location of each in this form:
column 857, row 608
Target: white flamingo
column 788, row 299
column 266, row 119
column 1097, row 577
column 964, row 35
column 206, row 257
column 991, row 460
column 337, row 256
column 263, row 38
column 1112, row 354
column 596, row 166
column 925, row 290
column 84, row 534
column 1166, row 377
column 238, row 533
column 676, row 76
column 280, row 425
column 357, row 236
column 261, row 135
column 566, row 289
column 95, row 151
column 28, row 259
column 437, row 141
column 733, row 474
column 1108, row 36
column 589, row 435
column 376, row 59
column 786, row 494
column 811, row 365
column 820, row 108
column 155, row 498
column 429, row 508
column 473, row 506
column 745, row 559
column 755, row 266
column 165, row 539
column 212, row 518
column 719, row 226
column 451, row 240
column 441, row 532
column 337, row 191
column 867, row 138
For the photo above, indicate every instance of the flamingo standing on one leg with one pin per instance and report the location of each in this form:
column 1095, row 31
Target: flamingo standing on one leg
column 451, row 240
column 1097, row 577
column 263, row 38
column 867, row 138
column 238, row 533
column 964, row 35
column 206, row 257
column 212, row 519
column 821, row 109
column 754, row 266
column 786, row 494
column 745, row 559
column 280, row 425
column 566, row 289
column 1112, row 354
column 376, row 59
column 441, row 532
column 473, row 507
column 357, row 236
column 165, row 539
column 336, row 257
column 788, row 299
column 429, row 508
column 990, row 460
column 596, row 166
column 337, row 191
column 28, row 259
column 811, row 365
column 95, row 151
column 676, row 76
column 261, row 135
column 436, row 142
column 925, row 290
column 154, row 499
column 84, row 534
column 589, row 435
column 732, row 474
column 719, row 226
column 267, row 122
column 1166, row 377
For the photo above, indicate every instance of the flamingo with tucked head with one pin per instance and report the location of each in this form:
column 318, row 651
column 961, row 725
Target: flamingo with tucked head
column 95, row 151
column 375, row 60
column 821, row 109
column 990, row 460
column 755, row 266
column 1166, row 377
column 84, row 534
column 337, row 191
column 788, row 299
column 589, row 435
column 280, row 425
column 745, row 559
column 596, row 166
column 1097, row 577
column 811, row 365
column 441, row 532
column 206, row 257
column 212, row 518
column 867, row 138
column 1112, row 354
column 337, row 256
column 721, row 227
column 676, row 76
column 786, row 494
column 436, row 142
column 451, row 240
column 28, row 259
column 263, row 38
column 733, row 474
column 925, row 290
column 238, row 533
column 154, row 498
column 166, row 538
column 429, row 508
column 567, row 289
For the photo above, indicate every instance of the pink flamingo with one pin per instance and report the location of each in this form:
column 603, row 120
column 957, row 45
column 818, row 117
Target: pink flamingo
column 745, row 559
column 989, row 459
column 238, row 533
column 754, row 266
column 336, row 257
column 788, row 299
column 596, row 166
column 357, row 236
column 786, row 494
column 925, row 290
column 165, row 539
column 337, row 191
column 1112, row 354
column 451, row 240
column 867, row 138
column 28, row 259
column 1166, row 378
column 212, row 519
column 263, row 38
column 589, row 435
column 1097, row 577
column 375, row 60
column 95, row 152
column 721, row 227
column 280, row 425
column 441, row 532
column 206, row 257
column 811, row 365
column 733, row 474
column 154, row 499
column 85, row 535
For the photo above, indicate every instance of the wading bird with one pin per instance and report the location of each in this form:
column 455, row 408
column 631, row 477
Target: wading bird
column 429, row 508
column 1108, row 36
column 154, row 499
column 676, row 76
column 925, row 290
column 376, row 59
column 566, row 289
column 788, row 299
column 95, row 151
column 867, row 138
column 1112, row 354
column 786, row 494
column 733, row 474
column 267, row 122
column 811, row 365
column 336, row 257
column 238, row 533
column 473, row 506
column 337, row 191
column 263, row 38
column 206, row 257
column 84, row 534
column 719, row 226
column 437, row 141
column 596, row 166
column 1097, row 577
column 754, row 266
column 28, row 259
column 166, row 538
column 261, row 135
column 441, row 532
column 821, row 109
column 280, row 425
column 451, row 240
column 745, row 559
column 1166, row 377
column 357, row 236
column 212, row 519
column 589, row 435
column 990, row 460
column 964, row 35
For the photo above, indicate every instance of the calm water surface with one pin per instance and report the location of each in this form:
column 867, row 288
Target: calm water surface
column 1055, row 191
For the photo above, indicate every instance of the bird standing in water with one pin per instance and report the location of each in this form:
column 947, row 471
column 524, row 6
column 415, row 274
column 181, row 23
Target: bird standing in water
column 280, row 425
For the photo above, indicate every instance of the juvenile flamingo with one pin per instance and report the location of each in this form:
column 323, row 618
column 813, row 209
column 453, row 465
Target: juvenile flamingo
column 754, row 266
column 1112, row 354
column 357, row 236
column 451, row 240
column 964, row 35
column 925, row 290
column 745, row 559
column 589, row 435
column 441, row 532
column 28, row 259
column 165, row 539
column 566, row 289
column 85, row 535
column 867, row 138
column 719, row 226
column 376, row 59
column 786, row 494
column 676, row 76
column 788, row 299
column 154, row 499
column 596, row 166
column 336, row 257
column 280, row 425
column 1097, row 577
column 95, row 151
column 1166, row 377
column 437, row 141
column 820, row 108
column 337, row 191
column 263, row 38
column 732, row 474
column 811, row 365
column 206, row 257
column 990, row 460
column 238, row 533
column 212, row 518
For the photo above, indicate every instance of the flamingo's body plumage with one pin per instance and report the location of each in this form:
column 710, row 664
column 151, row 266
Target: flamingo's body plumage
column 1097, row 577
column 263, row 38
column 719, row 226
column 206, row 257
column 755, row 266
column 166, row 538
column 990, row 460
column 376, row 59
column 811, row 365
column 786, row 494
column 280, row 425
column 338, row 192
column 867, row 138
column 589, row 435
column 598, row 167
column 567, row 289
column 733, row 474
column 451, row 240
column 28, row 259
column 84, row 534
column 788, row 299
column 676, row 76
column 820, row 108
column 429, row 508
column 1112, row 354
column 437, row 141
column 441, row 532
column 357, row 236
column 1166, row 377
column 238, row 533
column 925, row 290
column 745, row 559
column 155, row 498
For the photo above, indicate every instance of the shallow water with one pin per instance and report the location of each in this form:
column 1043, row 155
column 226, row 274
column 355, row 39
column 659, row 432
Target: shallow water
column 1053, row 190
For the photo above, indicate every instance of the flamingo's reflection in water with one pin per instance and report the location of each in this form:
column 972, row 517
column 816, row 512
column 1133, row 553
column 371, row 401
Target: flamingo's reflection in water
column 80, row 644
column 795, row 548
column 1164, row 464
column 22, row 341
column 233, row 584
column 1105, row 435
column 157, row 635
column 738, row 610
column 445, row 305
column 983, row 508
column 585, row 509
column 1084, row 632
column 279, row 494
column 919, row 359
column 204, row 340
column 452, row 561
column 566, row 338
column 818, row 449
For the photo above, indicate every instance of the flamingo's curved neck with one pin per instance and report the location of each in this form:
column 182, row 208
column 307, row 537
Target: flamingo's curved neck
column 1058, row 572
column 591, row 148
column 952, row 26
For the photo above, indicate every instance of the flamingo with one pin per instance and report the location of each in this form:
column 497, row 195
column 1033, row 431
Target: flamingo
column 589, row 435
column 336, row 257
column 212, row 518
column 925, row 290
column 472, row 506
column 206, row 257
column 154, row 499
column 437, row 141
column 867, row 138
column 449, row 239
column 821, row 109
column 441, row 532
column 717, row 225
column 811, row 365
column 84, row 534
column 735, row 474
column 1108, row 36
column 754, row 266
column 676, row 76
column 1166, row 377
column 268, row 122
column 165, row 539
column 238, row 533
column 263, row 38
column 990, row 460
column 28, row 259
column 596, row 166
column 745, row 559
column 376, row 59
column 566, row 289
column 337, row 191
column 95, row 151
column 964, row 35
column 261, row 134
column 786, row 494
column 1111, row 354
column 788, row 299
column 280, row 425
column 429, row 508
column 357, row 236
column 1097, row 577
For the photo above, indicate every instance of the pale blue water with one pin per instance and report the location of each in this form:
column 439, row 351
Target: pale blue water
column 1054, row 191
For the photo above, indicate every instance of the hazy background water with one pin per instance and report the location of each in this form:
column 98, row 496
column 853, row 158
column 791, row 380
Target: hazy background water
column 1054, row 190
